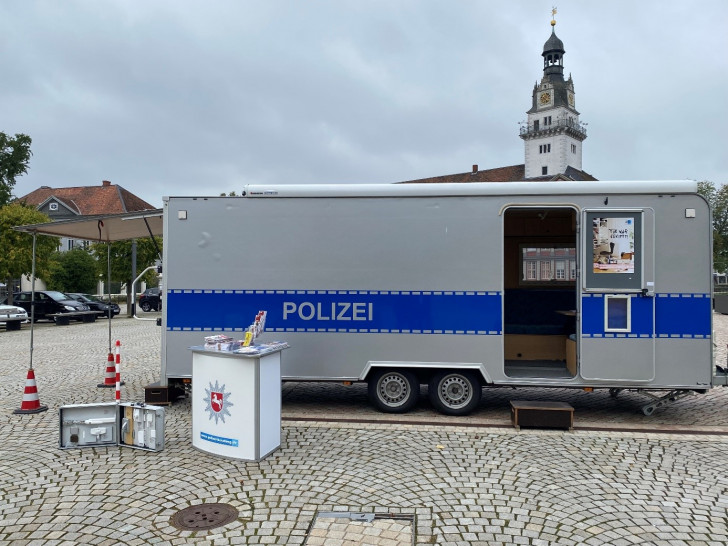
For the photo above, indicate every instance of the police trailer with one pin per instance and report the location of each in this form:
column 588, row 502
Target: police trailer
column 458, row 286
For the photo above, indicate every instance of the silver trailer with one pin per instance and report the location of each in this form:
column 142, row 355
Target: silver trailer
column 458, row 286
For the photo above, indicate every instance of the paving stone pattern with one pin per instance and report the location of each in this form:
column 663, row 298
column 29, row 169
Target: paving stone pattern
column 478, row 483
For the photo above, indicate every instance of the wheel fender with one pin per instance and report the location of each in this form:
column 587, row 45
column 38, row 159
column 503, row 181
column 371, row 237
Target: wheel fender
column 474, row 366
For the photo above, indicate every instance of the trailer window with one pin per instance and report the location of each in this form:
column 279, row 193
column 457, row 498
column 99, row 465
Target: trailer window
column 553, row 265
column 613, row 253
column 617, row 313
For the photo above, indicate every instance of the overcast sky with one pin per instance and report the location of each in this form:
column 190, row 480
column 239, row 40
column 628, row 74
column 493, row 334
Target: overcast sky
column 181, row 97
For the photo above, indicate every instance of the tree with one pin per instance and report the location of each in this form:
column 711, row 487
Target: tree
column 72, row 271
column 120, row 255
column 16, row 247
column 14, row 156
column 718, row 199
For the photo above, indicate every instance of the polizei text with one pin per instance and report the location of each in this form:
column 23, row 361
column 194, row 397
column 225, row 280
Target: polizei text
column 341, row 310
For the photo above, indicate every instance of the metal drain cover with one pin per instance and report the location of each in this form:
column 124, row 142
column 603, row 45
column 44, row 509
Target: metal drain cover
column 361, row 528
column 204, row 516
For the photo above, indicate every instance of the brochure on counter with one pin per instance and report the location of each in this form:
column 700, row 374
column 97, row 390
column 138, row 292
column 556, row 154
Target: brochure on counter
column 262, row 349
column 245, row 346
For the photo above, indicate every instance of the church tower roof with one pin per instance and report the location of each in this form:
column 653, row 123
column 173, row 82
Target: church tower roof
column 553, row 57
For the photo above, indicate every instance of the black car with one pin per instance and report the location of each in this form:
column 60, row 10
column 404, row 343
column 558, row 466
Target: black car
column 49, row 302
column 96, row 304
column 151, row 300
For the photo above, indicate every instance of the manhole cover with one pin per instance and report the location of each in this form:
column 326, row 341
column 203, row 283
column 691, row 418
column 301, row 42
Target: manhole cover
column 204, row 516
column 361, row 528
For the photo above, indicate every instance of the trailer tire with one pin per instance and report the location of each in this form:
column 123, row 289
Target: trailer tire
column 455, row 392
column 393, row 391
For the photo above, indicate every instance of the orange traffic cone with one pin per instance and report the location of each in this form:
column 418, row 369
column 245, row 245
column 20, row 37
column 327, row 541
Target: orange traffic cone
column 110, row 377
column 31, row 402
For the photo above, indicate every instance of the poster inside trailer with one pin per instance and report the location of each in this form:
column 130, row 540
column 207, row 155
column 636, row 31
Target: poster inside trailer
column 613, row 240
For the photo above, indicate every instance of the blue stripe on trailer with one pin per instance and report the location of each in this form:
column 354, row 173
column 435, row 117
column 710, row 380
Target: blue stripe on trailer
column 338, row 311
column 676, row 315
column 592, row 310
column 683, row 315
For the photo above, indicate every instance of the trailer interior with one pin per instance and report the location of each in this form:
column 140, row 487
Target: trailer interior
column 540, row 300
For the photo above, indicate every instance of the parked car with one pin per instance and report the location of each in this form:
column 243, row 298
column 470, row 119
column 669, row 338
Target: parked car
column 151, row 300
column 96, row 304
column 12, row 316
column 49, row 302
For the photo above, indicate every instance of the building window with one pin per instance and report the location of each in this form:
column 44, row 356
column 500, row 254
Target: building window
column 547, row 265
column 544, row 170
column 544, row 148
column 560, row 270
column 573, row 148
column 547, row 121
column 545, row 271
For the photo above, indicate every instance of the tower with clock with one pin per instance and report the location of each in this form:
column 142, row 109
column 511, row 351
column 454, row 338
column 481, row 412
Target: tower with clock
column 553, row 135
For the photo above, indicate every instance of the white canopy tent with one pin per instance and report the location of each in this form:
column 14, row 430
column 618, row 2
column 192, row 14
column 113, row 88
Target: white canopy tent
column 105, row 228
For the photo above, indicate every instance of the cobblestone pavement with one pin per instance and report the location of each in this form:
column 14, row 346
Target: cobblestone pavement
column 460, row 481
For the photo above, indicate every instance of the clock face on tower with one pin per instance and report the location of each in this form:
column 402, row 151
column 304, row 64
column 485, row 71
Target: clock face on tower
column 545, row 98
column 571, row 100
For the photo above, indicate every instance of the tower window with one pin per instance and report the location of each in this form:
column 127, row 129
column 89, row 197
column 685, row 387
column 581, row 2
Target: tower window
column 573, row 148
column 544, row 170
column 547, row 120
column 544, row 148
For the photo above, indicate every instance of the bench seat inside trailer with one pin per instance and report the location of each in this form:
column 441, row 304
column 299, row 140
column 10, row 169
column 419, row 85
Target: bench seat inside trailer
column 536, row 333
column 535, row 312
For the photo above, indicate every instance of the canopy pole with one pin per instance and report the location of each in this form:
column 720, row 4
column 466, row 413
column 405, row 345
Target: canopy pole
column 32, row 300
column 108, row 286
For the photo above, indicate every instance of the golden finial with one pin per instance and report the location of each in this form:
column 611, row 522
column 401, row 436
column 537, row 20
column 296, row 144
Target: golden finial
column 553, row 16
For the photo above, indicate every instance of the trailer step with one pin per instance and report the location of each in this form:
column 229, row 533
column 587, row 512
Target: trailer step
column 540, row 414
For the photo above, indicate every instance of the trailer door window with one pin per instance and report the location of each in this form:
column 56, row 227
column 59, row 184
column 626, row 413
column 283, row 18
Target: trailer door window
column 617, row 313
column 614, row 250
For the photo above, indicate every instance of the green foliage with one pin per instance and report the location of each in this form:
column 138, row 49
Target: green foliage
column 16, row 248
column 718, row 199
column 121, row 260
column 14, row 156
column 73, row 271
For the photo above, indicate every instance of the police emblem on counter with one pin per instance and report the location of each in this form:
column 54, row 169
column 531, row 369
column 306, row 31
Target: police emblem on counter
column 218, row 402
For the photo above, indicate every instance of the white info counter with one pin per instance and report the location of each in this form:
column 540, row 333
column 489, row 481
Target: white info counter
column 236, row 401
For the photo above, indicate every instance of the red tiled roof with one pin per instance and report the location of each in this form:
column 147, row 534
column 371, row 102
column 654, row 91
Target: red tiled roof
column 500, row 174
column 90, row 200
column 513, row 173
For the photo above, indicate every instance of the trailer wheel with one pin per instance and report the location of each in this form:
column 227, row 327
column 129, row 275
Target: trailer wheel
column 394, row 391
column 454, row 392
